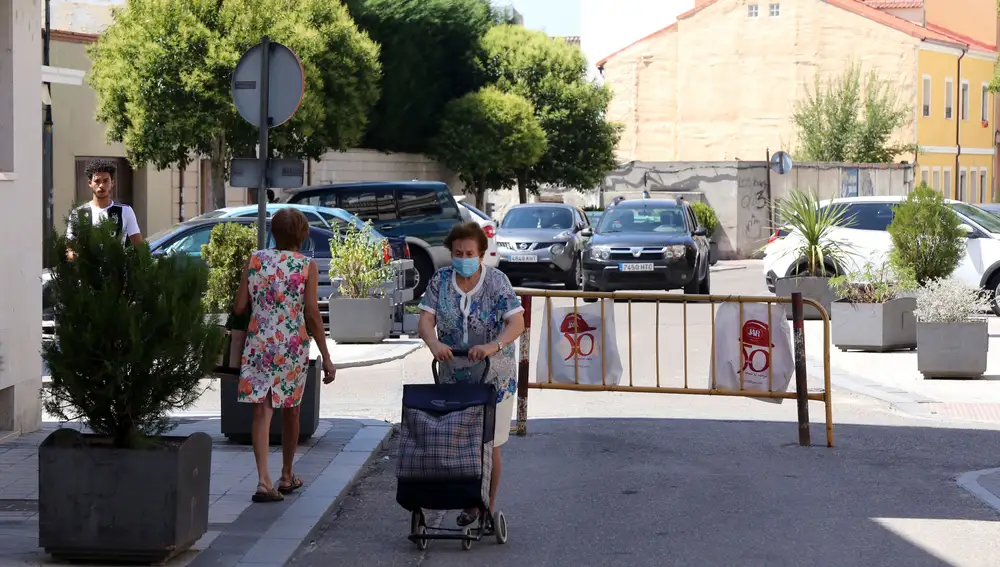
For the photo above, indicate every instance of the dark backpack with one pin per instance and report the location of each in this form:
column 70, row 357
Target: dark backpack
column 114, row 213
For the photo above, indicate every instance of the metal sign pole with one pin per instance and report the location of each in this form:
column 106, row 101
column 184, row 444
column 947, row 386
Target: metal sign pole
column 264, row 152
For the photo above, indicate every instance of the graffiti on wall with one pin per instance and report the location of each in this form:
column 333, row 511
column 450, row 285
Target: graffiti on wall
column 855, row 182
column 753, row 213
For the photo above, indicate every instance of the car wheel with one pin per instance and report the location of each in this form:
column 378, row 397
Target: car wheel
column 585, row 287
column 424, row 269
column 993, row 287
column 574, row 279
column 705, row 287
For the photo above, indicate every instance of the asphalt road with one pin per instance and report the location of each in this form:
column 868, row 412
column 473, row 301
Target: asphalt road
column 608, row 479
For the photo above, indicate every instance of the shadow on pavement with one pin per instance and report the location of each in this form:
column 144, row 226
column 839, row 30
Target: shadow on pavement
column 701, row 493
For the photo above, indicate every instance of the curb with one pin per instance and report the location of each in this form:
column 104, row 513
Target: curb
column 403, row 353
column 299, row 522
column 717, row 268
column 970, row 482
column 905, row 402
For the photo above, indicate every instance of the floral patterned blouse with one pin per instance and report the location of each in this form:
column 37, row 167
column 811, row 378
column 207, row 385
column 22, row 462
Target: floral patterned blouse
column 276, row 351
column 464, row 320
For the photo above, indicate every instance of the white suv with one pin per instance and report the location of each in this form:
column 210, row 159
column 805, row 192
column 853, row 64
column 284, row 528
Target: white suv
column 866, row 239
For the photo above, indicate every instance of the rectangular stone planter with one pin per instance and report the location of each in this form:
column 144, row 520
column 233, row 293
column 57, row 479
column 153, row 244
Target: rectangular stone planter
column 237, row 416
column 874, row 327
column 364, row 321
column 98, row 504
column 817, row 289
column 952, row 350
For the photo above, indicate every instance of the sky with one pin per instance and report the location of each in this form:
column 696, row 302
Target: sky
column 604, row 26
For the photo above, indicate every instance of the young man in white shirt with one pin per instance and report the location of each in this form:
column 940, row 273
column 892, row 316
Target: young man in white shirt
column 101, row 178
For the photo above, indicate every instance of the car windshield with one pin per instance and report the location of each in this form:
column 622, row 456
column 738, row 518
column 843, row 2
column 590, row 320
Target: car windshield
column 538, row 217
column 643, row 219
column 984, row 219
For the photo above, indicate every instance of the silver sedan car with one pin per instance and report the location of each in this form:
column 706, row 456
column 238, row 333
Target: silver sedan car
column 543, row 242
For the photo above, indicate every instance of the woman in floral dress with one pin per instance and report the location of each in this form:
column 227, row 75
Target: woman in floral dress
column 471, row 306
column 280, row 287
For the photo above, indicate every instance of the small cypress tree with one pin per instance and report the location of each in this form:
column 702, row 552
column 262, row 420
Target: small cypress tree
column 926, row 238
column 131, row 340
column 229, row 246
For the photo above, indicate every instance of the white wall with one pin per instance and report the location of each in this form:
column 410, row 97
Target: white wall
column 21, row 233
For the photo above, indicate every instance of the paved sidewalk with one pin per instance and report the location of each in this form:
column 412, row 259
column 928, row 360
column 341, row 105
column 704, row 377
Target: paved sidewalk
column 240, row 533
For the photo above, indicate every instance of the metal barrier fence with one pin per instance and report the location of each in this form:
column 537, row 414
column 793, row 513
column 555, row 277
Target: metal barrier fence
column 801, row 392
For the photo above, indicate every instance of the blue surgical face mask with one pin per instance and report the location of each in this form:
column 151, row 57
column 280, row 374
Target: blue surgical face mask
column 466, row 267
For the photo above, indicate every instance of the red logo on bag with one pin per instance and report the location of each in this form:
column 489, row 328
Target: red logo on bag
column 756, row 334
column 578, row 332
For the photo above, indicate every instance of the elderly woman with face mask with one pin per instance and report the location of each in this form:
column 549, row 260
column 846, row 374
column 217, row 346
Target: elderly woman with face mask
column 472, row 306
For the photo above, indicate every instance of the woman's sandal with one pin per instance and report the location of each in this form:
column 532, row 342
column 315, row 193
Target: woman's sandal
column 467, row 519
column 266, row 493
column 294, row 484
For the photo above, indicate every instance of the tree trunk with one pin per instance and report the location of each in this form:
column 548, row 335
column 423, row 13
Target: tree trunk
column 522, row 186
column 481, row 194
column 218, row 161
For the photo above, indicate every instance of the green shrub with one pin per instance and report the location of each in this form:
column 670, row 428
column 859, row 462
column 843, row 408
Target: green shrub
column 706, row 216
column 131, row 338
column 229, row 246
column 873, row 283
column 926, row 237
column 359, row 259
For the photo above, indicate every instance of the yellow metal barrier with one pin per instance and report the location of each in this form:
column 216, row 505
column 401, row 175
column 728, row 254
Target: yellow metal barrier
column 800, row 394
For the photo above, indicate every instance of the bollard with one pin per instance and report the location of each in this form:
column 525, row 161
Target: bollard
column 523, row 368
column 801, row 378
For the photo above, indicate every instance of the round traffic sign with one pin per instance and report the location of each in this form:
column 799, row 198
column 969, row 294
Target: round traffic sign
column 781, row 163
column 286, row 84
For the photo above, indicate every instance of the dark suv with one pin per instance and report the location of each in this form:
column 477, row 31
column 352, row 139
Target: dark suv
column 647, row 244
column 421, row 211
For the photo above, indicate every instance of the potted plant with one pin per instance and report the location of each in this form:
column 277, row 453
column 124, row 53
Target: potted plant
column 871, row 312
column 927, row 237
column 131, row 344
column 361, row 311
column 810, row 238
column 229, row 246
column 952, row 335
column 707, row 218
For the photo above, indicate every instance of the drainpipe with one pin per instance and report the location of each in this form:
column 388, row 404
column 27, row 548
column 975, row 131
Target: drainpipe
column 958, row 126
column 47, row 158
column 180, row 194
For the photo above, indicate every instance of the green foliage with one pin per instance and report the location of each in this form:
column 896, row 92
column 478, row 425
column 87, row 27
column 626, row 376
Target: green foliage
column 552, row 75
column 851, row 120
column 926, row 237
column 873, row 283
column 162, row 73
column 429, row 56
column 486, row 133
column 812, row 226
column 229, row 246
column 131, row 337
column 358, row 259
column 706, row 216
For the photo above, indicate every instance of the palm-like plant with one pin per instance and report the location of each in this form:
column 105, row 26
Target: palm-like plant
column 812, row 224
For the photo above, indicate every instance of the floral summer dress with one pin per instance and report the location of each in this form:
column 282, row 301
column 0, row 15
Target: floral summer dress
column 464, row 320
column 276, row 352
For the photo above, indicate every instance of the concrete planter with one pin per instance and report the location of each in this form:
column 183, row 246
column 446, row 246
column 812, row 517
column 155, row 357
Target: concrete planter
column 874, row 327
column 237, row 417
column 367, row 320
column 952, row 350
column 817, row 289
column 98, row 504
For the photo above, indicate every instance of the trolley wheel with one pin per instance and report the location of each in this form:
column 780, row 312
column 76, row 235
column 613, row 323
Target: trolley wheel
column 500, row 527
column 467, row 543
column 421, row 542
column 416, row 520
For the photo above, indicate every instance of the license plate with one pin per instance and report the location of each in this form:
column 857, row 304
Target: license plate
column 524, row 258
column 636, row 267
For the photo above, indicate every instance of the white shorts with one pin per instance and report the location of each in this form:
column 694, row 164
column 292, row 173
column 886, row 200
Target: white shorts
column 504, row 413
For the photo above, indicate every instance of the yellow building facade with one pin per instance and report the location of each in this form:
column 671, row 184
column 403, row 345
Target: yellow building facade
column 722, row 83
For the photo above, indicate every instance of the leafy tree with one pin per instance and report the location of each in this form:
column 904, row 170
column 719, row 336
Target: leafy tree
column 430, row 50
column 162, row 72
column 131, row 338
column 552, row 75
column 848, row 119
column 486, row 135
column 926, row 237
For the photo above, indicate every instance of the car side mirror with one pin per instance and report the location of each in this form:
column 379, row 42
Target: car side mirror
column 700, row 231
column 587, row 232
column 968, row 230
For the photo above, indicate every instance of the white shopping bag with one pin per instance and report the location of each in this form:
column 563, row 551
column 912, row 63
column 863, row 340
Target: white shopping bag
column 753, row 357
column 576, row 339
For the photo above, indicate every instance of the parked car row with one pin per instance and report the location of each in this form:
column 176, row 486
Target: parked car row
column 864, row 238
